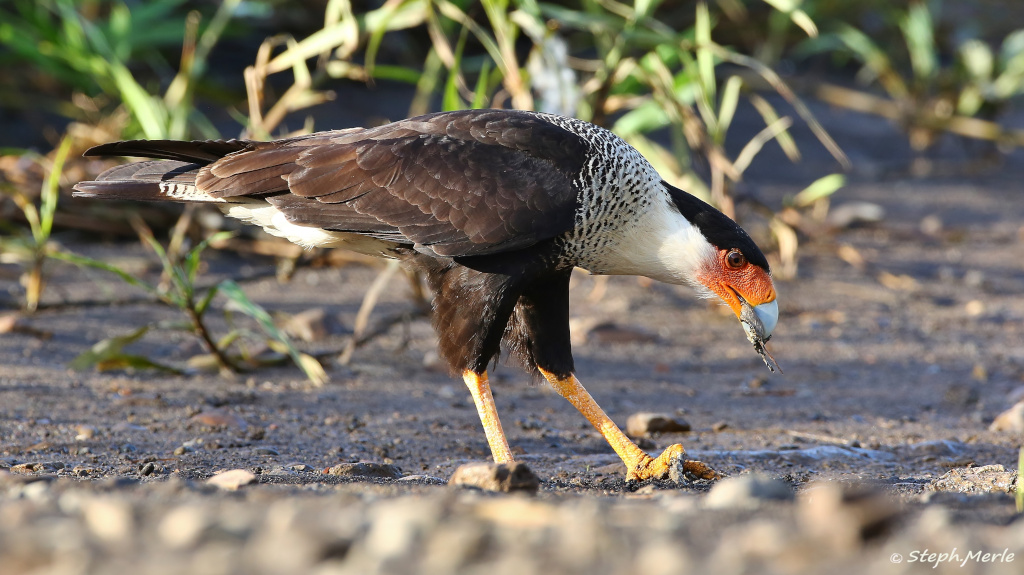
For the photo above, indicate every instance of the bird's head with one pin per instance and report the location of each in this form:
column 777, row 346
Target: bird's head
column 732, row 267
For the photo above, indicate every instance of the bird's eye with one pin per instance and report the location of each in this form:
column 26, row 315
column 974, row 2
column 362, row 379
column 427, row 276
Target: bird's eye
column 735, row 259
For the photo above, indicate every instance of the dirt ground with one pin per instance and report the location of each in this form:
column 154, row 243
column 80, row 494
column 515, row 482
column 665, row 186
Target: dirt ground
column 894, row 370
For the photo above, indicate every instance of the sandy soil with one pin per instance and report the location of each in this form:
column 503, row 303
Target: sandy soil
column 894, row 371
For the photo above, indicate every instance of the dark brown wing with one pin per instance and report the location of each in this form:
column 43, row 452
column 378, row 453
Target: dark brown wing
column 461, row 183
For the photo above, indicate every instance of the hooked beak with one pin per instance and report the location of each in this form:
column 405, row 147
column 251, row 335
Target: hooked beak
column 768, row 313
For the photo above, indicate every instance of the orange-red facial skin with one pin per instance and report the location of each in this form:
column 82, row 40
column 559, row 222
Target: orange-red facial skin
column 751, row 282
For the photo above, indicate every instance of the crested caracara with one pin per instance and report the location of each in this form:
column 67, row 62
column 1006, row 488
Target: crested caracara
column 496, row 207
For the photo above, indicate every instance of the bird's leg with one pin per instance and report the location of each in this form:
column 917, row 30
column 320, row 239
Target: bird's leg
column 639, row 465
column 481, row 392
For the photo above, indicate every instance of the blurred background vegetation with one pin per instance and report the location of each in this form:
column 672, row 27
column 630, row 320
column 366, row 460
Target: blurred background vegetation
column 668, row 76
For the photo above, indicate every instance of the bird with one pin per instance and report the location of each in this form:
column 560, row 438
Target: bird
column 495, row 208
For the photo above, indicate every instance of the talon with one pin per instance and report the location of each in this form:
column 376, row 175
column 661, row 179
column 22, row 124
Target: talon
column 700, row 470
column 670, row 465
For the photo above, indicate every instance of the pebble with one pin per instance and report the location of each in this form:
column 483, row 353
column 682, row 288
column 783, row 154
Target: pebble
column 719, row 426
column 428, row 479
column 985, row 479
column 266, row 451
column 503, row 477
column 183, row 526
column 850, row 213
column 365, row 469
column 845, row 517
column 640, row 424
column 85, row 432
column 297, row 466
column 109, row 519
column 37, row 467
column 747, row 492
column 219, row 418
column 233, row 479
column 1010, row 420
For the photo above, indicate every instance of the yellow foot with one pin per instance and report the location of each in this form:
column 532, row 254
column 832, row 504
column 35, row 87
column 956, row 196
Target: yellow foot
column 669, row 465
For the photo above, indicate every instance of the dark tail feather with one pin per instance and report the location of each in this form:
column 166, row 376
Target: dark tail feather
column 197, row 151
column 157, row 180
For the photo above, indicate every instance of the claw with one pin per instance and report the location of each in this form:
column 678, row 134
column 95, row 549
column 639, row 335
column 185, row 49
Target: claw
column 670, row 465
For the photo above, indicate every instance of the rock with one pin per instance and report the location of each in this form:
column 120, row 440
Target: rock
column 985, row 479
column 504, row 477
column 109, row 519
column 844, row 517
column 1010, row 420
column 640, row 424
column 183, row 526
column 37, row 467
column 365, row 469
column 747, row 492
column 719, row 426
column 937, row 448
column 85, row 432
column 854, row 213
column 266, row 451
column 298, row 466
column 219, row 418
column 428, row 479
column 233, row 479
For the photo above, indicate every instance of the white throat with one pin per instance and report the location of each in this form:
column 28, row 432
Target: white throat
column 659, row 243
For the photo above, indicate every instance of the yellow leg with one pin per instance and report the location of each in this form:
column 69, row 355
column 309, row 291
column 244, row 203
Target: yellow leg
column 481, row 392
column 639, row 465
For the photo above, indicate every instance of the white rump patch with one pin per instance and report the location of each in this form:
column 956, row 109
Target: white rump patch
column 274, row 222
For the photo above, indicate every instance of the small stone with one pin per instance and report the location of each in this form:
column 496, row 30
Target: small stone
column 747, row 492
column 109, row 519
column 365, row 469
column 504, row 477
column 296, row 466
column 428, row 479
column 853, row 213
column 184, row 526
column 219, row 418
column 846, row 517
column 37, row 467
column 233, row 479
column 1010, row 420
column 147, row 468
column 719, row 426
column 640, row 424
column 85, row 432
column 266, row 451
column 985, row 479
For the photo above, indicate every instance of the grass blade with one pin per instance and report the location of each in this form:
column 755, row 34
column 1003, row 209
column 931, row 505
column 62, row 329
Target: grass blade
column 308, row 364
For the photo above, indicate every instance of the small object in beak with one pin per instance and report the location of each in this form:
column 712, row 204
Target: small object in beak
column 755, row 334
